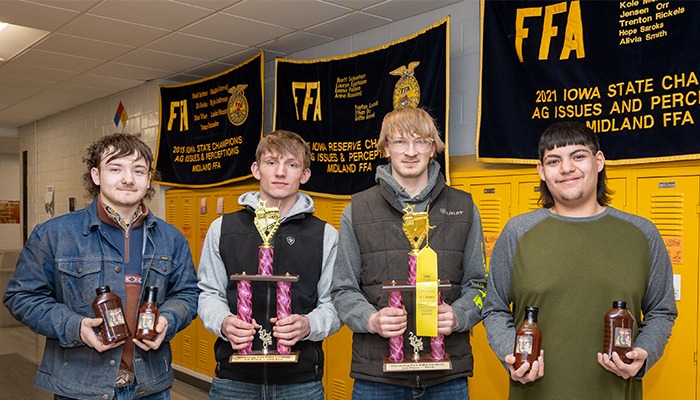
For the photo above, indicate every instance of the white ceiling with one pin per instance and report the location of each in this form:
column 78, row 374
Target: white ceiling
column 96, row 48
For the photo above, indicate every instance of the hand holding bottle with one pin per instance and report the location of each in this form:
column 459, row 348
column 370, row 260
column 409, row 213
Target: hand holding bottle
column 527, row 372
column 620, row 368
column 91, row 338
column 161, row 330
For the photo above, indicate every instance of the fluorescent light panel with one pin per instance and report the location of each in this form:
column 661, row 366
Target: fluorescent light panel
column 14, row 39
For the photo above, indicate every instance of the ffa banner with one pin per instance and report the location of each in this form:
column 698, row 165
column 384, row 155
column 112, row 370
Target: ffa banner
column 209, row 129
column 337, row 104
column 628, row 69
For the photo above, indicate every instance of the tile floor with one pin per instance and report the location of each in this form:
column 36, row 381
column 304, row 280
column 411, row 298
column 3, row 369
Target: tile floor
column 19, row 339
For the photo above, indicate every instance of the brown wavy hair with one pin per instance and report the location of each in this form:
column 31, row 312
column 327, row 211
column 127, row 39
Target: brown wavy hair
column 115, row 146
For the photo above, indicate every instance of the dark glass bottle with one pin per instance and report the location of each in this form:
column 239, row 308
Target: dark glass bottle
column 108, row 306
column 619, row 331
column 528, row 339
column 148, row 315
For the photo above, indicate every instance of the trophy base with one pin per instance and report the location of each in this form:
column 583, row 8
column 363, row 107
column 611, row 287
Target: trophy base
column 258, row 356
column 424, row 363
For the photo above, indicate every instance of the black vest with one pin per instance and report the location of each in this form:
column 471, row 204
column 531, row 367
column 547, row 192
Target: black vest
column 298, row 250
column 384, row 248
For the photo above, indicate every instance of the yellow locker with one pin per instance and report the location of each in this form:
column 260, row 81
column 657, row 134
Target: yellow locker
column 494, row 203
column 671, row 203
column 179, row 213
column 172, row 206
column 336, row 377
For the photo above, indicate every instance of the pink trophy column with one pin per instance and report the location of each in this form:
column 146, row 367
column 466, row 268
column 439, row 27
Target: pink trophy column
column 396, row 343
column 265, row 260
column 284, row 309
column 437, row 343
column 245, row 310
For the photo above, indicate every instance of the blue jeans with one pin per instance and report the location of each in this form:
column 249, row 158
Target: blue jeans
column 127, row 393
column 226, row 389
column 455, row 389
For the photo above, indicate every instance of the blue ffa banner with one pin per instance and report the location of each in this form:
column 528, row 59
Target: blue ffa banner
column 209, row 129
column 627, row 69
column 337, row 104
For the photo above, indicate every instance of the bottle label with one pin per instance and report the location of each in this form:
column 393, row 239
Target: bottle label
column 115, row 317
column 146, row 321
column 623, row 337
column 523, row 344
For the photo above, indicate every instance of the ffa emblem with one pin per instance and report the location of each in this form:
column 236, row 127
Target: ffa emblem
column 237, row 105
column 407, row 89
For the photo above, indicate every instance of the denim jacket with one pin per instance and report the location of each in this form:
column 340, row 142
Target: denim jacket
column 52, row 290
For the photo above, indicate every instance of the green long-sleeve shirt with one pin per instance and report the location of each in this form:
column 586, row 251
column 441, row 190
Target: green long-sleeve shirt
column 573, row 269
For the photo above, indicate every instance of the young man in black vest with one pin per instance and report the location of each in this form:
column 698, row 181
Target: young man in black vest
column 373, row 249
column 303, row 245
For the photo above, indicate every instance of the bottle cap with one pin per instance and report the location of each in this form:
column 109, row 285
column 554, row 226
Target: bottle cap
column 619, row 304
column 102, row 289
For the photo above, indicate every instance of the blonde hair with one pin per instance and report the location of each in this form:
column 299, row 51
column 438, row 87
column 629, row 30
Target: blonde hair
column 409, row 121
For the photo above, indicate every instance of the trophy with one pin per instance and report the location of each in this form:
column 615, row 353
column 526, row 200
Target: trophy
column 427, row 290
column 266, row 221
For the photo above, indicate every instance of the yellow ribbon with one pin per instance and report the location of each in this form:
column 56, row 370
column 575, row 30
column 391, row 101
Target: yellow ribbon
column 426, row 292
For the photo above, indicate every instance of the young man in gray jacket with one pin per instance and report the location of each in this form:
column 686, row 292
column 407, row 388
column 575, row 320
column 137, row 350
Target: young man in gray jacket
column 303, row 245
column 373, row 249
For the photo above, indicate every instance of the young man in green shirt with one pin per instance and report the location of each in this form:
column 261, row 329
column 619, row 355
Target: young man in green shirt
column 572, row 259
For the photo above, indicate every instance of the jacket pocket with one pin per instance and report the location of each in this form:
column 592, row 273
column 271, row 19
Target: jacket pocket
column 159, row 271
column 78, row 280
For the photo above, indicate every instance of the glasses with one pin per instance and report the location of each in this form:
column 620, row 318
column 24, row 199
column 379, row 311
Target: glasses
column 421, row 145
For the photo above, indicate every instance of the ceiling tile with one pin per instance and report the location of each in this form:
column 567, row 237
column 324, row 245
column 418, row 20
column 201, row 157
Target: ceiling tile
column 128, row 71
column 348, row 24
column 77, row 46
column 171, row 15
column 40, row 58
column 107, row 82
column 295, row 42
column 399, row 9
column 110, row 30
column 159, row 60
column 232, row 29
column 34, row 15
column 194, row 46
column 16, row 70
column 296, row 14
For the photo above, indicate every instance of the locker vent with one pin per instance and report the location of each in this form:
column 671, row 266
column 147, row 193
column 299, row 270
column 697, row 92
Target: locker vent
column 667, row 213
column 490, row 211
column 186, row 346
column 338, row 390
column 204, row 350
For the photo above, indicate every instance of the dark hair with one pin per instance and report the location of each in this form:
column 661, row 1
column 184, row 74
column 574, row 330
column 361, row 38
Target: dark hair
column 284, row 142
column 114, row 146
column 568, row 133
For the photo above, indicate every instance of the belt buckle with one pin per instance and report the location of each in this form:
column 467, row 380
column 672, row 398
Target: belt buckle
column 124, row 378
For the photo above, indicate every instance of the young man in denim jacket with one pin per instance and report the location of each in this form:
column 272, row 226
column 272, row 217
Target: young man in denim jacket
column 117, row 242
